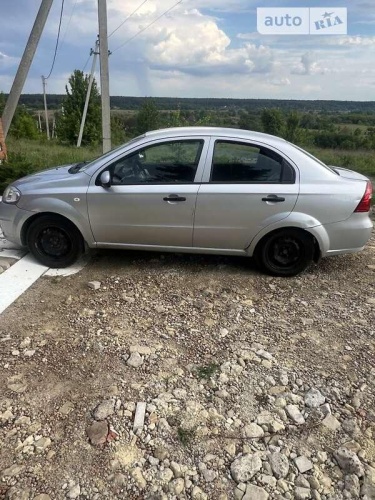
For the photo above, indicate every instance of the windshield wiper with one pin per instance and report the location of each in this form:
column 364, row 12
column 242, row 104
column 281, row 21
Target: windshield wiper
column 77, row 167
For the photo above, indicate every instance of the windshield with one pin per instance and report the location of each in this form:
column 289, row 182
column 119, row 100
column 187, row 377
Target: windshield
column 80, row 167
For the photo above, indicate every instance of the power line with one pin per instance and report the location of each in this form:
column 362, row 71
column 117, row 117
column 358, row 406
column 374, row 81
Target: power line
column 70, row 18
column 122, row 24
column 86, row 63
column 144, row 29
column 57, row 40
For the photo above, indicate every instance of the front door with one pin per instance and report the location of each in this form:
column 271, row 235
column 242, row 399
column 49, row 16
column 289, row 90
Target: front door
column 245, row 188
column 152, row 197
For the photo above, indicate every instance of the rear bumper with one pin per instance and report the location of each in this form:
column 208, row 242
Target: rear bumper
column 348, row 236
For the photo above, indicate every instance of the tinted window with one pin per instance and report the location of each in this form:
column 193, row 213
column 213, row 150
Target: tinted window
column 235, row 162
column 166, row 163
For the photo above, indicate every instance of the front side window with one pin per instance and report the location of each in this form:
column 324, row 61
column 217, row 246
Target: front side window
column 235, row 162
column 173, row 162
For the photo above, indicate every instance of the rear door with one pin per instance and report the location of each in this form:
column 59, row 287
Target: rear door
column 152, row 197
column 246, row 186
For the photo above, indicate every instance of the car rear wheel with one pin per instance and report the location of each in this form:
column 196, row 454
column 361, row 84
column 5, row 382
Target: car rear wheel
column 287, row 252
column 54, row 241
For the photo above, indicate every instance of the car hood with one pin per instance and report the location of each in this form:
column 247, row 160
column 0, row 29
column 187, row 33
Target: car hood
column 59, row 172
column 349, row 174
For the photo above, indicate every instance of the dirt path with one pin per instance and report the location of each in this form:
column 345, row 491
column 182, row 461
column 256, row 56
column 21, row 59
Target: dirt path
column 234, row 366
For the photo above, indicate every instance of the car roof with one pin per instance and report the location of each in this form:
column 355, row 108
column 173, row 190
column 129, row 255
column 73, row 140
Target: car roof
column 217, row 131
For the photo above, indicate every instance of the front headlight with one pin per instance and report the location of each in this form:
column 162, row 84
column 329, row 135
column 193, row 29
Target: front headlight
column 11, row 195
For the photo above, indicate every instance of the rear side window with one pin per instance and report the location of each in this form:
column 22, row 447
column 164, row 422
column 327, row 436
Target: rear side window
column 235, row 162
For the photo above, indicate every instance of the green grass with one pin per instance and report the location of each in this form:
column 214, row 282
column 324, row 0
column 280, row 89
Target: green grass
column 28, row 156
column 43, row 154
column 186, row 436
column 208, row 371
column 360, row 161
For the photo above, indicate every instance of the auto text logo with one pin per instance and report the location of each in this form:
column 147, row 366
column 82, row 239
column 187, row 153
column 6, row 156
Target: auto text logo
column 302, row 21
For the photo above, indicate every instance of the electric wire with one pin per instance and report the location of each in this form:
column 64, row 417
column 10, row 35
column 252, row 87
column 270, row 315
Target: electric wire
column 69, row 21
column 146, row 27
column 86, row 63
column 57, row 40
column 129, row 16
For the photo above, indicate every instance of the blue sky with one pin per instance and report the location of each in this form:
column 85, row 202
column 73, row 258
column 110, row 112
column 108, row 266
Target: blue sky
column 202, row 48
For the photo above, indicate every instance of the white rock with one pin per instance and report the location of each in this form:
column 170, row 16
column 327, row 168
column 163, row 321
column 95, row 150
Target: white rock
column 253, row 430
column 279, row 465
column 95, row 285
column 331, row 422
column 349, row 462
column 264, row 354
column 268, row 480
column 177, row 486
column 295, row 414
column 245, row 467
column 302, row 493
column 74, row 492
column 104, row 409
column 25, row 343
column 139, row 418
column 29, row 352
column 303, row 464
column 255, row 493
column 198, row 494
column 135, row 360
column 314, row 398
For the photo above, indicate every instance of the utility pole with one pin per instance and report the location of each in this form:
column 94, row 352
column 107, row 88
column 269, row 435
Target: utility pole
column 39, row 122
column 45, row 107
column 24, row 66
column 95, row 52
column 104, row 75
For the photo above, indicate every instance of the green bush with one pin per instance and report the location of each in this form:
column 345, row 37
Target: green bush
column 15, row 167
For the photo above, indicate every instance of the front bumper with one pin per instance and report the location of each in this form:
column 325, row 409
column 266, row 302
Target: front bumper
column 12, row 218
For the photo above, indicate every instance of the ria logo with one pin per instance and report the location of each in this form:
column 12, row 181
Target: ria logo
column 302, row 21
column 330, row 21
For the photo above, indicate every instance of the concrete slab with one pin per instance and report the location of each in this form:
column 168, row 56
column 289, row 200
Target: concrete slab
column 17, row 279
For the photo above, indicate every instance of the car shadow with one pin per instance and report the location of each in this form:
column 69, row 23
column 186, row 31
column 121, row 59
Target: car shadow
column 113, row 259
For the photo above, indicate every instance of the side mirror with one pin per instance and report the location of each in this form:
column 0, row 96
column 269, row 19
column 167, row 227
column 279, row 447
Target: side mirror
column 105, row 179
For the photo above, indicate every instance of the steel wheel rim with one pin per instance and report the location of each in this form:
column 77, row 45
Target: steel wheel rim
column 285, row 252
column 54, row 242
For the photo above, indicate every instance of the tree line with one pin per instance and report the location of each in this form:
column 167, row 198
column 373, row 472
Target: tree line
column 335, row 128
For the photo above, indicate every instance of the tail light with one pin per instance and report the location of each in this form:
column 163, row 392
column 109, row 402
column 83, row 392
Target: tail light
column 365, row 204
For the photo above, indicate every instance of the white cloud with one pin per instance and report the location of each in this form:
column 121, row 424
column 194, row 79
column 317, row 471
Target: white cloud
column 307, row 66
column 7, row 61
column 280, row 82
column 357, row 41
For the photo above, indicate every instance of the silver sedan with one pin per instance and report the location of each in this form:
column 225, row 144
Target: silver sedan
column 198, row 190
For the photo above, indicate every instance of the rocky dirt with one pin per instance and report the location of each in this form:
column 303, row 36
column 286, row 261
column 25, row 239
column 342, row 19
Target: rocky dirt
column 152, row 376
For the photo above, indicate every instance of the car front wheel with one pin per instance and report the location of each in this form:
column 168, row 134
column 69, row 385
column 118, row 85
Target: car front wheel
column 287, row 252
column 54, row 241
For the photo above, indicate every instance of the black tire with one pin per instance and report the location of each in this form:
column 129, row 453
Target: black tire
column 54, row 241
column 287, row 252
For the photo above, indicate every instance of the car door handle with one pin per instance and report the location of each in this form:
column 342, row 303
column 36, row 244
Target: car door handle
column 173, row 198
column 273, row 198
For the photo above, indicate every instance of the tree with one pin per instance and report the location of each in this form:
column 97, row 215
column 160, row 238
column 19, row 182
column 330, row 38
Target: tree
column 273, row 121
column 69, row 120
column 292, row 127
column 2, row 102
column 23, row 125
column 148, row 117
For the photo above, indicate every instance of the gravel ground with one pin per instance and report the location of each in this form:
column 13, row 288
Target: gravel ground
column 151, row 376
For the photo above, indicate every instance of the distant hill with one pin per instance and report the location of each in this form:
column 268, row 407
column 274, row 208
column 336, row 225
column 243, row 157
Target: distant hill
column 35, row 101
